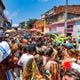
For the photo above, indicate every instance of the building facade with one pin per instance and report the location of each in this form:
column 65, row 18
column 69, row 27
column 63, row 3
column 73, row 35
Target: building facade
column 40, row 25
column 55, row 19
column 3, row 19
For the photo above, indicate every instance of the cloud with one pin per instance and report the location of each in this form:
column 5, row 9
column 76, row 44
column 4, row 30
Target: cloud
column 6, row 12
column 43, row 0
column 11, row 15
column 15, row 25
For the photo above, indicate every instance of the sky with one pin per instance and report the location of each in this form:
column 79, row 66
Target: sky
column 21, row 10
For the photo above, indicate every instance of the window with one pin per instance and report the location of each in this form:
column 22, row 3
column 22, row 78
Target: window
column 69, row 34
column 70, row 26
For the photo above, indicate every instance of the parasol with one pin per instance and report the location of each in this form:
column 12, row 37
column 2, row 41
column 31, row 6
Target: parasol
column 10, row 31
column 33, row 30
column 38, row 30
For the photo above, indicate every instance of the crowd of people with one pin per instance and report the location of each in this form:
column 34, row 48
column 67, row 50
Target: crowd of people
column 26, row 55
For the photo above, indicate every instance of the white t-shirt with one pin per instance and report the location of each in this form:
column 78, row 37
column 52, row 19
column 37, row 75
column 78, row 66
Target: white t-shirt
column 24, row 60
column 75, row 66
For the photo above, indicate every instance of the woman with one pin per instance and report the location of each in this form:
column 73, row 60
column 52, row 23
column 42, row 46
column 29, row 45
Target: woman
column 51, row 66
column 24, row 60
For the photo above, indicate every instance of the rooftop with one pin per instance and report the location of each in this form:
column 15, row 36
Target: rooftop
column 73, row 9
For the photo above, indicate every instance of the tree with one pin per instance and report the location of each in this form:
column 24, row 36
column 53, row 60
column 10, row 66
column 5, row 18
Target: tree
column 27, row 24
column 30, row 23
column 22, row 25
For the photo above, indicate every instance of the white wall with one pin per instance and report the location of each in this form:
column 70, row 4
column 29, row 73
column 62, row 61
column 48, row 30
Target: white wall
column 60, row 29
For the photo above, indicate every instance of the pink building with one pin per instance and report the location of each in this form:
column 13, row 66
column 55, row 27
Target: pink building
column 55, row 19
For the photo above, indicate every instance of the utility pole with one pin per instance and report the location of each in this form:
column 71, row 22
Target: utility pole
column 65, row 28
column 25, row 24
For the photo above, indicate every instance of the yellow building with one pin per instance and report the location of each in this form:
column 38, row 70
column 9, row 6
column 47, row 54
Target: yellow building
column 40, row 25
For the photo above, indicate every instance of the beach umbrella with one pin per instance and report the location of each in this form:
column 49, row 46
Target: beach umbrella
column 33, row 30
column 38, row 30
column 10, row 31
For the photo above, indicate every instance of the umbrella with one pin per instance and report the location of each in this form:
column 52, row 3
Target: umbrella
column 39, row 30
column 33, row 30
column 10, row 31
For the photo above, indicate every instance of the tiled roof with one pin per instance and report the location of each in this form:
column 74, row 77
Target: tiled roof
column 74, row 9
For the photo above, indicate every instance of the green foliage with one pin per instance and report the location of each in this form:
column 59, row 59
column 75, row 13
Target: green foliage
column 22, row 25
column 28, row 24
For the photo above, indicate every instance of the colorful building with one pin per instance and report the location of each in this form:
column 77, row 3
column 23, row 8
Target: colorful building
column 40, row 25
column 55, row 19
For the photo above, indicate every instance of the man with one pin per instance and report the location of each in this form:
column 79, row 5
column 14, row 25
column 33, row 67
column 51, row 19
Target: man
column 6, row 61
column 5, row 73
column 24, row 60
column 71, row 74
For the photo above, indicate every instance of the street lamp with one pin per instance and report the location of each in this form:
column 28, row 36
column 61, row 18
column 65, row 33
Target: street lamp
column 65, row 28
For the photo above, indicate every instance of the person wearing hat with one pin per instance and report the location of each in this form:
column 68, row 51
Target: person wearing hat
column 5, row 73
column 5, row 59
column 71, row 74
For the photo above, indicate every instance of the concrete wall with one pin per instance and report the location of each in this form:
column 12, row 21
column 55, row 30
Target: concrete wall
column 74, row 31
column 60, row 30
column 77, row 28
column 57, row 29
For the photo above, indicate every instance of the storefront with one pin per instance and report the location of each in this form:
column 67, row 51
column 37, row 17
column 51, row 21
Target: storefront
column 39, row 25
